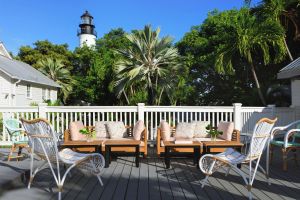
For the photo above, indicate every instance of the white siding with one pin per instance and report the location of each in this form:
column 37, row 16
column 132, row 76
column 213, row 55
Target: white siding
column 5, row 89
column 295, row 86
column 36, row 94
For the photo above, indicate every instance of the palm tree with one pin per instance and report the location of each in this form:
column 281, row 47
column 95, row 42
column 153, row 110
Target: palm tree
column 284, row 11
column 146, row 62
column 55, row 70
column 248, row 39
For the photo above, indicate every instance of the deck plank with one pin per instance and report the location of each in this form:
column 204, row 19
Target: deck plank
column 133, row 182
column 164, row 185
column 143, row 191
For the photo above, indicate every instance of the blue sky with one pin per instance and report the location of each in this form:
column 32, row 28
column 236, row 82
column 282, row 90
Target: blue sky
column 24, row 22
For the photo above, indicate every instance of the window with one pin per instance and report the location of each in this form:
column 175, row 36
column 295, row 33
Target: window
column 28, row 91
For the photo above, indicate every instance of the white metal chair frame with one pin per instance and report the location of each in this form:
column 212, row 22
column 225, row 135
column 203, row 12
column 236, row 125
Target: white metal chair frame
column 230, row 158
column 286, row 132
column 43, row 142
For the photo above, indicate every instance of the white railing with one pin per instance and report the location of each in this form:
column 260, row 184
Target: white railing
column 175, row 114
column 16, row 112
column 244, row 118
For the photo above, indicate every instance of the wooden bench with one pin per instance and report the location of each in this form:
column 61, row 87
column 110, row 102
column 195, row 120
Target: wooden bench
column 143, row 146
column 161, row 149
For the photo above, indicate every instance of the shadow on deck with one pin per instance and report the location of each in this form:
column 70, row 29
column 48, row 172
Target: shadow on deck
column 122, row 180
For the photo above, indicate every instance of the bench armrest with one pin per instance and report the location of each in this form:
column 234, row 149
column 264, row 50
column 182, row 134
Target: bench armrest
column 236, row 135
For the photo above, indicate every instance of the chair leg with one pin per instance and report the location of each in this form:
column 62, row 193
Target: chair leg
column 271, row 154
column 10, row 155
column 295, row 156
column 19, row 152
column 204, row 181
column 284, row 158
column 249, row 187
column 100, row 180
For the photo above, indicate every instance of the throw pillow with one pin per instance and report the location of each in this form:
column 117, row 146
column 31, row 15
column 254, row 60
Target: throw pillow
column 185, row 130
column 165, row 130
column 75, row 127
column 200, row 129
column 138, row 130
column 101, row 131
column 227, row 129
column 116, row 130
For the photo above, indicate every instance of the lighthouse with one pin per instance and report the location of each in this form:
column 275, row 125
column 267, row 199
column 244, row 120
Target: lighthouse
column 86, row 33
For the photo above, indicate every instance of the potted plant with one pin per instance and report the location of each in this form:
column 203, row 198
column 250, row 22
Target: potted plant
column 89, row 133
column 213, row 132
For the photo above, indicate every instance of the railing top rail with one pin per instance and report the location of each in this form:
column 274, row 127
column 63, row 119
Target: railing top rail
column 188, row 108
column 19, row 109
column 91, row 109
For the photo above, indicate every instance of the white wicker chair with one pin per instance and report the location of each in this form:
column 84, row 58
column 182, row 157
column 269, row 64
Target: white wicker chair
column 230, row 158
column 43, row 142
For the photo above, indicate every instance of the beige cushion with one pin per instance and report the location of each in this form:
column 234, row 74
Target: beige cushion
column 138, row 129
column 100, row 129
column 165, row 130
column 75, row 127
column 185, row 130
column 116, row 130
column 227, row 129
column 200, row 129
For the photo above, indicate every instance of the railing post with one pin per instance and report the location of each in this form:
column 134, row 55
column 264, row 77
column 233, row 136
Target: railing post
column 272, row 107
column 42, row 110
column 140, row 109
column 237, row 116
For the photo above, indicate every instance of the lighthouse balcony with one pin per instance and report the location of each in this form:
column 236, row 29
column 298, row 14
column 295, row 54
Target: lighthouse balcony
column 86, row 31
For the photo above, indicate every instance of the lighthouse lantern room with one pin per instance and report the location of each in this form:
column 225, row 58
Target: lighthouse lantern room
column 86, row 33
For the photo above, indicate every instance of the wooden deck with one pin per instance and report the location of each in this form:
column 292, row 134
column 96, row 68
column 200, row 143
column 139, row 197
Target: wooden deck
column 122, row 180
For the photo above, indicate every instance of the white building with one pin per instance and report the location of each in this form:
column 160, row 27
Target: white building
column 21, row 84
column 87, row 34
column 292, row 72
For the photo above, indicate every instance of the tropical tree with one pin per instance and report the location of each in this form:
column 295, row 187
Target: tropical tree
column 147, row 62
column 285, row 12
column 249, row 39
column 43, row 49
column 55, row 70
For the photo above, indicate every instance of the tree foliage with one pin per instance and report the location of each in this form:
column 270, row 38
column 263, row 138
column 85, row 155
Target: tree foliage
column 56, row 70
column 42, row 50
column 148, row 63
column 213, row 64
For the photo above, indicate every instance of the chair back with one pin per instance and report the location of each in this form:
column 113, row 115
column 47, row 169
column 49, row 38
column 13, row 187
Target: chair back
column 13, row 126
column 43, row 140
column 260, row 136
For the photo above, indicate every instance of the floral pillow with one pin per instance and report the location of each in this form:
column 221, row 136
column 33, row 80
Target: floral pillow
column 185, row 130
column 116, row 130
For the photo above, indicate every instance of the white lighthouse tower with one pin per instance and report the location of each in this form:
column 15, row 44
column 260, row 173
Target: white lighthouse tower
column 86, row 33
